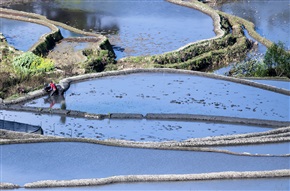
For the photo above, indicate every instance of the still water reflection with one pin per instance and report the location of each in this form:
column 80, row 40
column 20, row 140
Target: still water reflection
column 22, row 35
column 173, row 93
column 23, row 163
column 134, row 27
column 130, row 130
column 271, row 18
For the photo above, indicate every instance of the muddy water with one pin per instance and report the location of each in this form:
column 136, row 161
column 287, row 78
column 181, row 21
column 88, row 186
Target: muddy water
column 172, row 93
column 22, row 35
column 271, row 18
column 134, row 27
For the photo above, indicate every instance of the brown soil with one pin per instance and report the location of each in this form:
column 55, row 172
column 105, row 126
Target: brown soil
column 68, row 55
column 67, row 58
column 131, row 65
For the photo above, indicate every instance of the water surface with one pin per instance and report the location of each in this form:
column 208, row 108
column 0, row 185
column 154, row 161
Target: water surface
column 23, row 163
column 22, row 35
column 173, row 93
column 275, row 83
column 134, row 27
column 271, row 18
column 131, row 130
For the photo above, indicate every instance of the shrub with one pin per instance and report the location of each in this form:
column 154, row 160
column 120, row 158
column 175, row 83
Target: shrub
column 28, row 63
column 252, row 67
column 24, row 60
column 97, row 60
column 276, row 62
column 45, row 65
column 277, row 59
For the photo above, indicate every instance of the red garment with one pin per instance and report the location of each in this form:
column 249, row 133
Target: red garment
column 52, row 86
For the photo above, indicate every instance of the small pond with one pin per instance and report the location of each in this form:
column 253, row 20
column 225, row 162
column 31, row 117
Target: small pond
column 24, row 163
column 22, row 35
column 134, row 27
column 270, row 18
column 172, row 93
column 131, row 130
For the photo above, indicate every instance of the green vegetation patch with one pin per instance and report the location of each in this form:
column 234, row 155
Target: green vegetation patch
column 98, row 60
column 22, row 72
column 276, row 62
column 29, row 63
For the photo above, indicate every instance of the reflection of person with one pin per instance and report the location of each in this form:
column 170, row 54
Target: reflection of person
column 52, row 103
column 52, row 100
column 53, row 88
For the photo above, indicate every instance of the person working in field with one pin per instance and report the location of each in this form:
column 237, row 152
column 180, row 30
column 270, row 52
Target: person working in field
column 53, row 88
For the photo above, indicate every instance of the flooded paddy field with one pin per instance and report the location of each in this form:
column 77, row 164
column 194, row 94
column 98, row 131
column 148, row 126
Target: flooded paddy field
column 131, row 130
column 172, row 93
column 133, row 27
column 268, row 21
column 127, row 29
column 25, row 163
column 72, row 160
column 22, row 35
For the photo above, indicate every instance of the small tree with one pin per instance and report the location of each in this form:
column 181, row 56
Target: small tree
column 277, row 60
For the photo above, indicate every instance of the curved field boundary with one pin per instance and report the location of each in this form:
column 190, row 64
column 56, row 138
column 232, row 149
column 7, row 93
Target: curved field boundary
column 222, row 119
column 152, row 178
column 179, row 58
column 191, row 4
column 18, row 14
column 149, row 116
column 159, row 178
column 250, row 27
column 23, row 16
column 46, row 39
column 207, row 10
column 232, row 140
column 5, row 185
column 214, row 13
column 65, row 83
column 200, row 7
column 196, row 144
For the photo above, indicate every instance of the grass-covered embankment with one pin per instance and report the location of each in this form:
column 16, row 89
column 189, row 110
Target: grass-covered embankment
column 230, row 44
